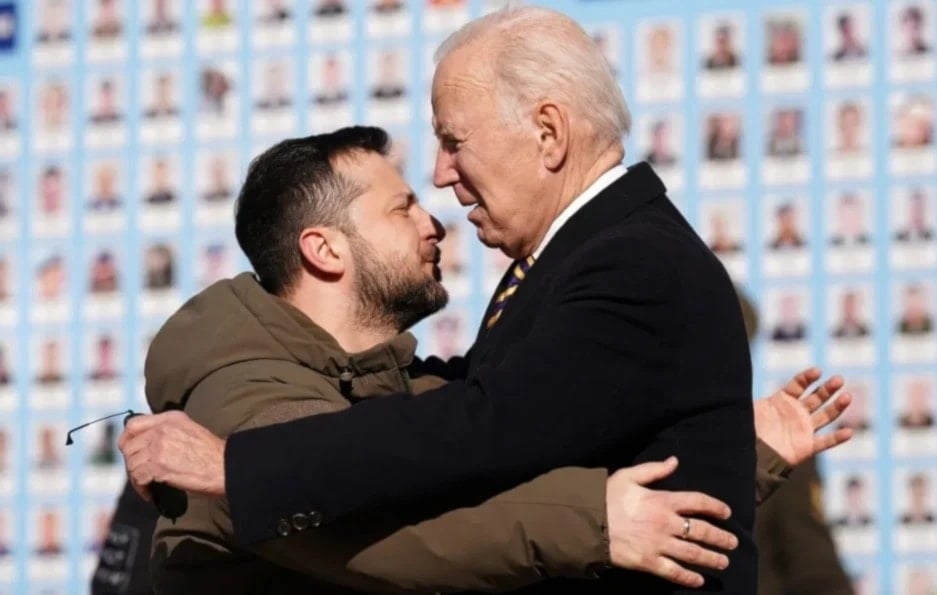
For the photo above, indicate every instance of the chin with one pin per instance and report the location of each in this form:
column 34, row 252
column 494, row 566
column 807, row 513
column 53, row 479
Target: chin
column 483, row 238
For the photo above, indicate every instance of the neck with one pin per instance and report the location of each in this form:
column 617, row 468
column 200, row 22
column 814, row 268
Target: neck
column 333, row 310
column 573, row 182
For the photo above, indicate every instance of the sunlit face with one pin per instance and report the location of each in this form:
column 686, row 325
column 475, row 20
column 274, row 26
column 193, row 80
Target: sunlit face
column 160, row 174
column 850, row 306
column 914, row 303
column 106, row 181
column 51, row 357
column 720, row 224
column 850, row 214
column 787, row 222
column 857, row 412
column 855, row 496
column 5, row 108
column 389, row 69
column 275, row 80
column 332, row 72
column 54, row 102
column 723, row 41
column 847, row 27
column 394, row 245
column 726, row 127
column 107, row 11
column 918, row 208
column 491, row 166
column 849, row 125
column 164, row 91
column 913, row 26
column 659, row 44
column 790, row 309
column 55, row 17
column 919, row 491
column 219, row 172
column 661, row 136
column 160, row 10
column 786, row 123
column 51, row 279
column 919, row 583
column 105, row 352
column 107, row 97
column 50, row 192
column 919, row 397
column 49, row 528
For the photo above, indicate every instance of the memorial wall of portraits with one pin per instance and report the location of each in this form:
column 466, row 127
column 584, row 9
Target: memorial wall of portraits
column 797, row 137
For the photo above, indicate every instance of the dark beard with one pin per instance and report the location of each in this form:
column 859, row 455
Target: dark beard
column 386, row 296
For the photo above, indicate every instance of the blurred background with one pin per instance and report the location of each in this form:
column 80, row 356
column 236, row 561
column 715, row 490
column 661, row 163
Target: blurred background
column 796, row 136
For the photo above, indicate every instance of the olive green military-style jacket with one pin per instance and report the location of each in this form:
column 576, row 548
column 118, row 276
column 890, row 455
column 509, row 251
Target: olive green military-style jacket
column 236, row 357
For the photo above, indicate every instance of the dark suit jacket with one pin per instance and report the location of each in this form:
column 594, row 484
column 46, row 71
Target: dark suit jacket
column 623, row 344
column 124, row 562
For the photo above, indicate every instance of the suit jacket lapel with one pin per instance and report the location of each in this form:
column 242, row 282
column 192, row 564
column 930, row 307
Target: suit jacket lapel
column 616, row 202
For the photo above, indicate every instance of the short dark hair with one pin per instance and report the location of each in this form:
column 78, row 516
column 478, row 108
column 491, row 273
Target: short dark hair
column 843, row 20
column 291, row 186
column 913, row 13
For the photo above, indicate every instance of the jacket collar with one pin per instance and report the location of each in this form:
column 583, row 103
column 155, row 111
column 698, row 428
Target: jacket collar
column 311, row 345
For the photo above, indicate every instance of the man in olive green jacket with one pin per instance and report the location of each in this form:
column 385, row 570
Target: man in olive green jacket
column 245, row 353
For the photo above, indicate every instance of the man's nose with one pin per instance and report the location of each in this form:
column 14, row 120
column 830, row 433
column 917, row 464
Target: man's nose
column 430, row 227
column 444, row 173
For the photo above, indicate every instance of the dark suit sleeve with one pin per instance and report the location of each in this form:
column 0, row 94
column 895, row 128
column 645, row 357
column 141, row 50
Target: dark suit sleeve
column 455, row 368
column 587, row 378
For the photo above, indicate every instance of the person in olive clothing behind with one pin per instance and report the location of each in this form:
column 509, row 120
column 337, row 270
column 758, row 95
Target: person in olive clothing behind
column 797, row 555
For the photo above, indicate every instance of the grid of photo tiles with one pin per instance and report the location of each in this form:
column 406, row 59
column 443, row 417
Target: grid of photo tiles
column 797, row 136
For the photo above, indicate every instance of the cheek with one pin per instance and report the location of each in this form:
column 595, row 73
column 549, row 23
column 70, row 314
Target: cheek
column 407, row 244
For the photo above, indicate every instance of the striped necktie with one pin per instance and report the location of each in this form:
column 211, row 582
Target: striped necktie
column 518, row 272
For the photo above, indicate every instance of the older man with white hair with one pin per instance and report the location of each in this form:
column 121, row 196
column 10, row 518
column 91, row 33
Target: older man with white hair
column 614, row 339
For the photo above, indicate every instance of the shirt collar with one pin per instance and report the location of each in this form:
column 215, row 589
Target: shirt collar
column 600, row 184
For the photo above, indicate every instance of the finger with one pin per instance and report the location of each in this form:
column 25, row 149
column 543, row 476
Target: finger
column 646, row 473
column 141, row 423
column 135, row 445
column 136, row 463
column 707, row 534
column 828, row 441
column 697, row 504
column 143, row 490
column 140, row 475
column 817, row 398
column 799, row 383
column 122, row 439
column 673, row 572
column 690, row 553
column 828, row 415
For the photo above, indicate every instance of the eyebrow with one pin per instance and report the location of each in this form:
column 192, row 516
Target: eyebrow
column 410, row 195
column 442, row 130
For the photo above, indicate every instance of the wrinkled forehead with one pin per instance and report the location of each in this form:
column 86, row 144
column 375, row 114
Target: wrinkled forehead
column 460, row 79
column 375, row 178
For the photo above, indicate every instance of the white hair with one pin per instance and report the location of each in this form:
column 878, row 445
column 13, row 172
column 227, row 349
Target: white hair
column 538, row 53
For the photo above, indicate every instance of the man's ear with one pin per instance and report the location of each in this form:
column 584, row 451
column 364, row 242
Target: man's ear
column 324, row 250
column 552, row 125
